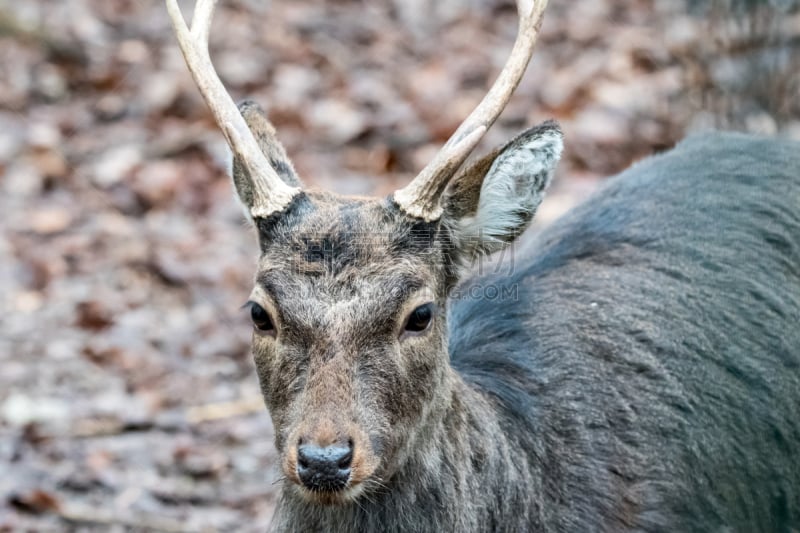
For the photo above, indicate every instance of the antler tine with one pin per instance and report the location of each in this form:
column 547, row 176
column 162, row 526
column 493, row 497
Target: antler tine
column 420, row 198
column 270, row 193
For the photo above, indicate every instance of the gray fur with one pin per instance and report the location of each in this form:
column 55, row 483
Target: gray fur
column 646, row 377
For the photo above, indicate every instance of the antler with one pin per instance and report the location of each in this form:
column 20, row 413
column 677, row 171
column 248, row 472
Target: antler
column 270, row 193
column 420, row 198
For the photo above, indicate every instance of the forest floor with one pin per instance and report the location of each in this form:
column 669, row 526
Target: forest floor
column 128, row 399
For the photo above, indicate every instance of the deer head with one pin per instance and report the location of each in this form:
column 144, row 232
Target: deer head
column 350, row 298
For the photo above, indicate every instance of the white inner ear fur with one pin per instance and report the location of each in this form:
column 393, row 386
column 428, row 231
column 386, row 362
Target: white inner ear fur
column 513, row 189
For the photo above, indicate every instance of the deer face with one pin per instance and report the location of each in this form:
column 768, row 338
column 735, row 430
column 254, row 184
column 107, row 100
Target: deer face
column 349, row 310
column 349, row 337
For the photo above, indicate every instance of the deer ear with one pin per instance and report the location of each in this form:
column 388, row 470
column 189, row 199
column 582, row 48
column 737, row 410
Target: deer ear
column 493, row 200
column 264, row 133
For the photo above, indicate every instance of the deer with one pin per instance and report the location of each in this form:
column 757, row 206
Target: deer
column 644, row 377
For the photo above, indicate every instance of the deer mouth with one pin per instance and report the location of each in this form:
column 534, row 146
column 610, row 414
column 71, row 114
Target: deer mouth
column 329, row 494
column 342, row 496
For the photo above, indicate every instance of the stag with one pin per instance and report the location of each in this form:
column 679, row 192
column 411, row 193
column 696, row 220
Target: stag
column 644, row 378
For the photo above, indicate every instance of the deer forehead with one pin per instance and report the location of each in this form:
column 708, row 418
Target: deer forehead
column 347, row 242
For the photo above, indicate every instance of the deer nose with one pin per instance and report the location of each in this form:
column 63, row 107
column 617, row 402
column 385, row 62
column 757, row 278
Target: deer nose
column 324, row 468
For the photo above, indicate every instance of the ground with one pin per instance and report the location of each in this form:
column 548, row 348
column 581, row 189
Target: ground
column 128, row 399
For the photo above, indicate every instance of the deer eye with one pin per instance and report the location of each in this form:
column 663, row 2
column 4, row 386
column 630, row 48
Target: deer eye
column 261, row 319
column 420, row 318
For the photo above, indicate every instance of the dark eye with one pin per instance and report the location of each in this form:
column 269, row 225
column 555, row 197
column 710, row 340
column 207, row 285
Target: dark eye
column 260, row 317
column 420, row 318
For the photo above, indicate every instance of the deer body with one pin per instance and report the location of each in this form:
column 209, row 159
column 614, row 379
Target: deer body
column 657, row 333
column 646, row 377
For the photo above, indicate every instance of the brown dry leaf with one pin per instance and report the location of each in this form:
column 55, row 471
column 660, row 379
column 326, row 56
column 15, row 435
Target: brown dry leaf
column 92, row 315
column 49, row 220
column 337, row 119
column 157, row 182
column 36, row 501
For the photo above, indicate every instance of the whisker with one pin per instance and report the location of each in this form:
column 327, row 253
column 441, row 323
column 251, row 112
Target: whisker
column 366, row 496
column 379, row 483
column 355, row 501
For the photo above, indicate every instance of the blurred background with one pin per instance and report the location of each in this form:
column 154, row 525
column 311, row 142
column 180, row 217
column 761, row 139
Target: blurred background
column 128, row 399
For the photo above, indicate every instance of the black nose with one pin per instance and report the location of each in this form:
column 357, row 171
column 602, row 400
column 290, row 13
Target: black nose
column 324, row 469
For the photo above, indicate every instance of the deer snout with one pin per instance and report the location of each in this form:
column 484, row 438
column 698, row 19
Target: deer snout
column 324, row 468
column 330, row 465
